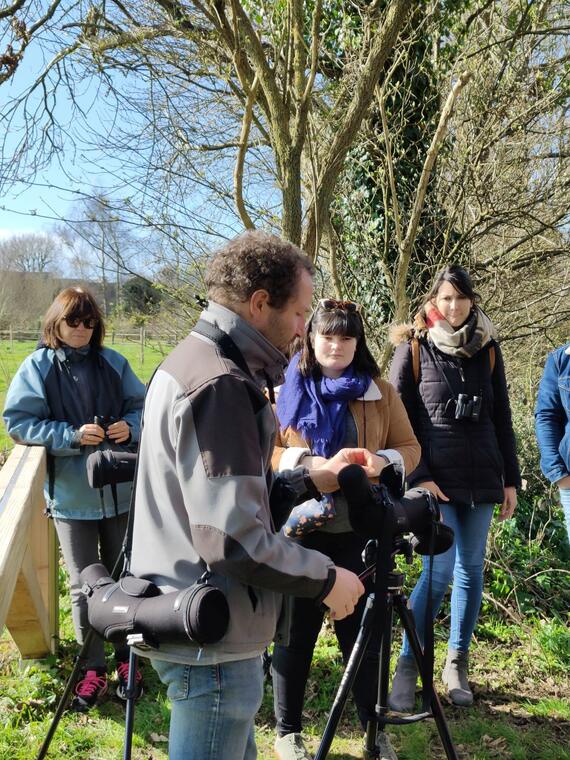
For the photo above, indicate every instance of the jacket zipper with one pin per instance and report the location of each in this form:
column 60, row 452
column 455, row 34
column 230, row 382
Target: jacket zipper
column 462, row 376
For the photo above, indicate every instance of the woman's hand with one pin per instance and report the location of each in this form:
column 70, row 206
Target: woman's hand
column 119, row 432
column 312, row 462
column 563, row 482
column 91, row 434
column 325, row 476
column 509, row 503
column 430, row 485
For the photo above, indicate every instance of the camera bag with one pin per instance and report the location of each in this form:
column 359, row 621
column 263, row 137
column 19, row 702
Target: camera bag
column 198, row 613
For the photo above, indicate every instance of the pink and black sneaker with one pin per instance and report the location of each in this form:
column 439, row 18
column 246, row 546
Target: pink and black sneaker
column 88, row 690
column 123, row 677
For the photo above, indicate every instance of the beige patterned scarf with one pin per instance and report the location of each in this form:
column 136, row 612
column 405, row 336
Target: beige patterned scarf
column 467, row 340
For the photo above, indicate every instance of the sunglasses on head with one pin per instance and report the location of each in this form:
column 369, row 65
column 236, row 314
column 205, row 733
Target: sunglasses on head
column 330, row 304
column 88, row 322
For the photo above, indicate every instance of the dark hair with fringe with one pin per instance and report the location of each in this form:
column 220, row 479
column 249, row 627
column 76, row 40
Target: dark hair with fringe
column 74, row 303
column 336, row 322
column 256, row 260
column 459, row 278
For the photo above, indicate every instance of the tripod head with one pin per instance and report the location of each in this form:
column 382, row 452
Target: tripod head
column 374, row 509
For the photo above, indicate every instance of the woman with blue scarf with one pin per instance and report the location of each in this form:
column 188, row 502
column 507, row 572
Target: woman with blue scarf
column 332, row 398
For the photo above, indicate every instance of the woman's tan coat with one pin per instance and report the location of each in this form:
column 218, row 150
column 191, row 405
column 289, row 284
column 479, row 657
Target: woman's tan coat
column 381, row 422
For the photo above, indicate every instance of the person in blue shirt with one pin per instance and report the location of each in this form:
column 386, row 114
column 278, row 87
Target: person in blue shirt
column 552, row 421
column 74, row 396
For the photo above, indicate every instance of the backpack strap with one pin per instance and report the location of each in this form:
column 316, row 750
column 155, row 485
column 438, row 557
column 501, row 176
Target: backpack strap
column 492, row 358
column 416, row 359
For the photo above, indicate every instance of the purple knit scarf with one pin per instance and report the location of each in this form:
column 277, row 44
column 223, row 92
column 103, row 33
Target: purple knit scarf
column 316, row 409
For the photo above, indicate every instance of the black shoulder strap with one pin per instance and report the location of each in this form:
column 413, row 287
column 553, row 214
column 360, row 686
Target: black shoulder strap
column 441, row 371
column 128, row 540
column 226, row 345
column 229, row 349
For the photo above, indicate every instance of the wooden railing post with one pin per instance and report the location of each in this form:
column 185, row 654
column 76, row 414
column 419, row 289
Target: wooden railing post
column 28, row 555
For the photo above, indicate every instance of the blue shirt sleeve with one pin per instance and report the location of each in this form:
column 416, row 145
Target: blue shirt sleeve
column 27, row 413
column 550, row 421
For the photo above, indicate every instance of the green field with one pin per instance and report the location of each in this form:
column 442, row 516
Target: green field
column 12, row 355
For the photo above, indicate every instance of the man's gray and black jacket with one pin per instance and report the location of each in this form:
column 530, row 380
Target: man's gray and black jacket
column 202, row 494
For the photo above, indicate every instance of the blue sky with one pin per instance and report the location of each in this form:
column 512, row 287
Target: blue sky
column 38, row 203
column 95, row 165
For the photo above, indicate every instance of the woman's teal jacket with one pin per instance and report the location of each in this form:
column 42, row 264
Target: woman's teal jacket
column 53, row 393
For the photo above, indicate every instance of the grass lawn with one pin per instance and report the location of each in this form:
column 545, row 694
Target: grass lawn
column 521, row 709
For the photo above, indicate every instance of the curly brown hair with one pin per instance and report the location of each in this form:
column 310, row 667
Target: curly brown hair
column 256, row 260
column 73, row 303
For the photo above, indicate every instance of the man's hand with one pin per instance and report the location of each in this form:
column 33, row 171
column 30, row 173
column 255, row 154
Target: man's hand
column 344, row 595
column 325, row 477
column 429, row 485
column 91, row 434
column 509, row 503
column 119, row 432
column 563, row 482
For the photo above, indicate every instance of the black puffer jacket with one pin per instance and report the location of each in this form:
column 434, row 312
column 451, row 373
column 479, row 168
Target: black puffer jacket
column 470, row 461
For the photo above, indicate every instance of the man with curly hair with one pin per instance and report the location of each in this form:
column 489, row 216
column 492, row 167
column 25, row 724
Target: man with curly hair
column 203, row 492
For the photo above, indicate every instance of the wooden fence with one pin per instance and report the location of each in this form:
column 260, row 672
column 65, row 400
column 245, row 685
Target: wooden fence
column 29, row 590
column 142, row 337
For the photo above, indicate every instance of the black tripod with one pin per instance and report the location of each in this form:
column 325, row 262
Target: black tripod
column 80, row 661
column 379, row 611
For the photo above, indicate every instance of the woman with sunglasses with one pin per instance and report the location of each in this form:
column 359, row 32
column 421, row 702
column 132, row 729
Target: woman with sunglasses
column 74, row 396
column 332, row 398
column 449, row 371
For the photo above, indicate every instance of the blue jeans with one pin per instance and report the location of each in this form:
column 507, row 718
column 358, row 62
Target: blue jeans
column 213, row 708
column 463, row 563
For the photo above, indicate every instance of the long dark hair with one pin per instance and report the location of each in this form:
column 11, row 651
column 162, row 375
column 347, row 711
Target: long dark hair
column 459, row 278
column 336, row 322
column 74, row 303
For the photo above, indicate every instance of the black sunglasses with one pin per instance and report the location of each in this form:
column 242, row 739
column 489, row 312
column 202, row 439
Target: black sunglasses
column 331, row 304
column 88, row 322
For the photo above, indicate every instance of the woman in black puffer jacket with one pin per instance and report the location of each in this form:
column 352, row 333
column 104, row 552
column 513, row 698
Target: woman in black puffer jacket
column 449, row 372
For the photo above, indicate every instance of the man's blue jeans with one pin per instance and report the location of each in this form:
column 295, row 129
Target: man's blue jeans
column 213, row 708
column 464, row 563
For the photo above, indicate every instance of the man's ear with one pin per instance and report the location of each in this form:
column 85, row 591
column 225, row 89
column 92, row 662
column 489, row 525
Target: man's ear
column 258, row 303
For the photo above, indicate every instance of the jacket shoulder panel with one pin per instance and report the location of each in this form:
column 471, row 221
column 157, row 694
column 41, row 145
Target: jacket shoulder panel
column 227, row 431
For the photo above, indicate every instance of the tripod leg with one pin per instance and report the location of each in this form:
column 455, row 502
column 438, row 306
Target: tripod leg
column 358, row 651
column 80, row 659
column 374, row 730
column 72, row 680
column 130, row 711
column 409, row 625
